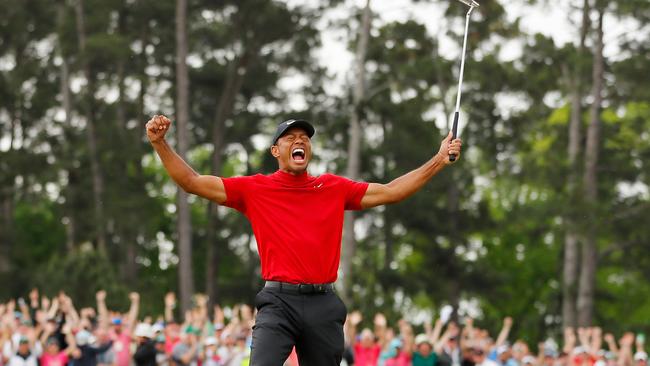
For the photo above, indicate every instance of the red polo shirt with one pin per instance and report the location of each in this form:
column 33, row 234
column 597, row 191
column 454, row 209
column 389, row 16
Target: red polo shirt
column 297, row 221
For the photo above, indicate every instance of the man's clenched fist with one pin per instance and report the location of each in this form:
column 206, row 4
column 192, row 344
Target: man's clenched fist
column 157, row 127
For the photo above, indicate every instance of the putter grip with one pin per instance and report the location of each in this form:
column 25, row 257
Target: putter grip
column 454, row 133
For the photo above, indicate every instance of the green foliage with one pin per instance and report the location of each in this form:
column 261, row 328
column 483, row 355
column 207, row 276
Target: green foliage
column 81, row 274
column 487, row 231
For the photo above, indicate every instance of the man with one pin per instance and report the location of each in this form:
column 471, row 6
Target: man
column 186, row 352
column 297, row 220
column 423, row 354
column 85, row 354
column 145, row 353
column 25, row 355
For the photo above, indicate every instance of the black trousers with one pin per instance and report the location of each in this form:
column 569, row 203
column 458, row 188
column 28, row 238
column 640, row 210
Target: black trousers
column 311, row 322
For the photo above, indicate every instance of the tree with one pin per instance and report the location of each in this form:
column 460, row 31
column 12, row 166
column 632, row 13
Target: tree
column 571, row 236
column 586, row 291
column 184, row 225
column 352, row 170
column 91, row 134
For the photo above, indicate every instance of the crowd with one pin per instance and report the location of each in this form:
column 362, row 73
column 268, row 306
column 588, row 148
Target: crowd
column 52, row 332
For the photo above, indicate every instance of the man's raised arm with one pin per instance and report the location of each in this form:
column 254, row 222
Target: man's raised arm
column 403, row 187
column 206, row 186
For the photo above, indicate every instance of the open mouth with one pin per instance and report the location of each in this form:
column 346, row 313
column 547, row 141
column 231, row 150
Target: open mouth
column 298, row 154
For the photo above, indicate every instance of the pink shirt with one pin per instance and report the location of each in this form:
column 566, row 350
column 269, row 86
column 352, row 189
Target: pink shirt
column 122, row 348
column 60, row 359
column 403, row 359
column 366, row 356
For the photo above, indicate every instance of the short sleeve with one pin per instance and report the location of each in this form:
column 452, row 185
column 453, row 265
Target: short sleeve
column 354, row 192
column 236, row 188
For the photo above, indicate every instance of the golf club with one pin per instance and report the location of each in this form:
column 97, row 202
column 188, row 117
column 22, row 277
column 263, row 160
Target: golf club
column 454, row 129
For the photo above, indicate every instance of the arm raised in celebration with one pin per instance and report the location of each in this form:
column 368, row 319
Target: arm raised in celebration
column 403, row 187
column 206, row 186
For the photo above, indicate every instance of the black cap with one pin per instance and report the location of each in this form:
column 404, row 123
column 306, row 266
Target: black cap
column 300, row 123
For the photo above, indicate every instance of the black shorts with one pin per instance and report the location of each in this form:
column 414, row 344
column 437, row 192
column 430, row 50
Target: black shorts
column 313, row 323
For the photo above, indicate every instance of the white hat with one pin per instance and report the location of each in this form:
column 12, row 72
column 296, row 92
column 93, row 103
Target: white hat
column 501, row 349
column 143, row 330
column 84, row 337
column 157, row 327
column 422, row 338
column 640, row 356
column 528, row 359
column 210, row 341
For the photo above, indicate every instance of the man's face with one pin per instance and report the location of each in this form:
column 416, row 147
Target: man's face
column 424, row 349
column 479, row 356
column 23, row 348
column 293, row 151
column 52, row 348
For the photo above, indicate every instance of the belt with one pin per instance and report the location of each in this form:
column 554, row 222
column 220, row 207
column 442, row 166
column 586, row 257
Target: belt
column 301, row 288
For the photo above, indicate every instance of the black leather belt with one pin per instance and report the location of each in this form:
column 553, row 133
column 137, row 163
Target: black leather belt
column 301, row 288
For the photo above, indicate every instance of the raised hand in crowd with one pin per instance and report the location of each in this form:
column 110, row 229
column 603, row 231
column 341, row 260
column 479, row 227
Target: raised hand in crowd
column 170, row 305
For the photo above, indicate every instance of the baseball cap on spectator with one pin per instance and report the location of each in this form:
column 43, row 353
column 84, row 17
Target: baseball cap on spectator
column 116, row 321
column 422, row 338
column 549, row 352
column 640, row 356
column 191, row 330
column 502, row 349
column 210, row 341
column 579, row 350
column 23, row 339
column 143, row 330
column 528, row 360
column 396, row 343
column 157, row 328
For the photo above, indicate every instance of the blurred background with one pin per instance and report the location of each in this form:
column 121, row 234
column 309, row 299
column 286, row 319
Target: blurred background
column 544, row 219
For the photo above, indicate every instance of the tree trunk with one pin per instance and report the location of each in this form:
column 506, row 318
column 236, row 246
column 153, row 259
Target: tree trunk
column 354, row 149
column 91, row 135
column 69, row 221
column 126, row 252
column 184, row 224
column 232, row 86
column 586, row 290
column 571, row 250
column 6, row 225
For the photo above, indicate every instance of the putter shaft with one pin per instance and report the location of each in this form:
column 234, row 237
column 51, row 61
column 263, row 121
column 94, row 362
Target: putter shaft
column 470, row 3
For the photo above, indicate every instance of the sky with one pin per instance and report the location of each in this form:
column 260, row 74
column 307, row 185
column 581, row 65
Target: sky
column 554, row 18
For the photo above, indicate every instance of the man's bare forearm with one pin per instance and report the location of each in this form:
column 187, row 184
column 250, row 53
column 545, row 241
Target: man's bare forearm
column 176, row 167
column 411, row 182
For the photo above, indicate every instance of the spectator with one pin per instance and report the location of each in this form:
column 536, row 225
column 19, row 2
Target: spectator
column 395, row 354
column 448, row 349
column 185, row 353
column 480, row 357
column 641, row 358
column 366, row 349
column 145, row 354
column 210, row 356
column 53, row 355
column 26, row 354
column 423, row 354
column 85, row 354
column 162, row 358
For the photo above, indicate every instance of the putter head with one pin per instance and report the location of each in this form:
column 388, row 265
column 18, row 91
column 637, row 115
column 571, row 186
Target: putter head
column 470, row 3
